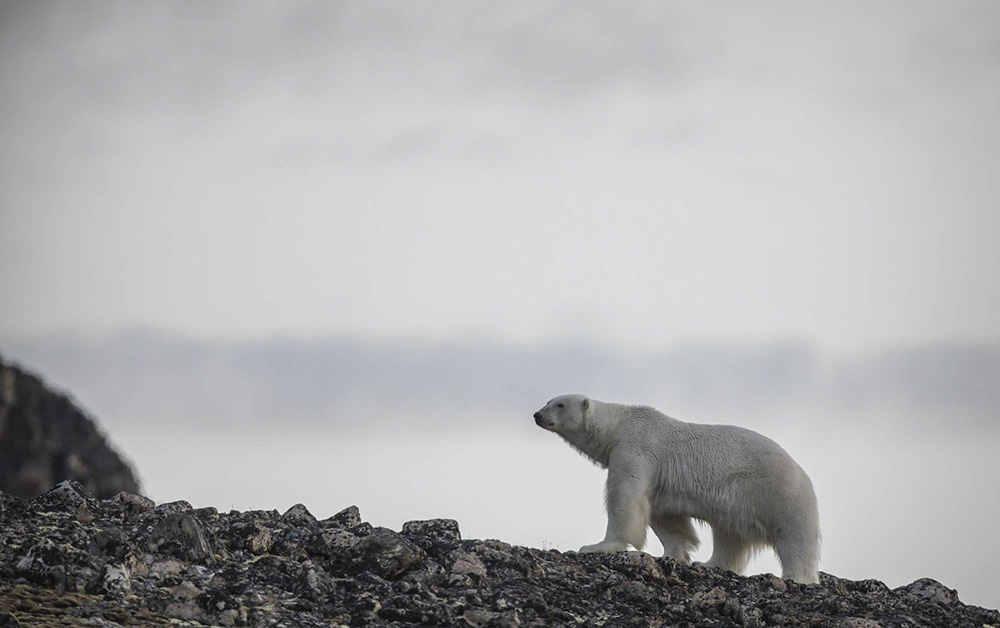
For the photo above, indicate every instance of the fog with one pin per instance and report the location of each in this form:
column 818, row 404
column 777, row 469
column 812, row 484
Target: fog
column 354, row 384
column 339, row 253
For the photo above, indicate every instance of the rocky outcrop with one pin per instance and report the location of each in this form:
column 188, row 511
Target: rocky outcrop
column 45, row 438
column 67, row 557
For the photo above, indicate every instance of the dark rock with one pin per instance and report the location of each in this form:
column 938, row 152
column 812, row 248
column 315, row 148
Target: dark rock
column 446, row 529
column 169, row 508
column 114, row 579
column 130, row 564
column 209, row 513
column 386, row 554
column 467, row 563
column 132, row 503
column 331, row 542
column 180, row 535
column 931, row 590
column 313, row 582
column 347, row 518
column 8, row 620
column 636, row 565
column 67, row 494
column 252, row 537
column 42, row 563
column 45, row 439
column 299, row 514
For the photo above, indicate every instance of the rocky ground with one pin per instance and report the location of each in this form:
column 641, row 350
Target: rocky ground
column 68, row 559
column 45, row 437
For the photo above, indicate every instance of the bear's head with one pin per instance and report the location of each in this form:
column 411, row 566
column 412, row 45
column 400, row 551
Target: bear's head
column 564, row 414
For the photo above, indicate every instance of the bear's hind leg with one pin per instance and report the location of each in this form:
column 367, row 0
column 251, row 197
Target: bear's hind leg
column 730, row 552
column 677, row 534
column 796, row 542
column 799, row 558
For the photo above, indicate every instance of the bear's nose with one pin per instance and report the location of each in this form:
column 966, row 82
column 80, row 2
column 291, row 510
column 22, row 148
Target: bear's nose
column 538, row 418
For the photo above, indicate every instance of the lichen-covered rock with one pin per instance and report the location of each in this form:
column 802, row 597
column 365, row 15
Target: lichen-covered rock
column 636, row 565
column 253, row 537
column 124, row 562
column 386, row 554
column 42, row 563
column 346, row 519
column 932, row 591
column 115, row 579
column 69, row 494
column 169, row 508
column 299, row 514
column 181, row 535
column 446, row 529
column 132, row 502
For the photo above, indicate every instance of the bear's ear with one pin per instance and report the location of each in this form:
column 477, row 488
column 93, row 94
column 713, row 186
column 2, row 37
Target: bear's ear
column 586, row 405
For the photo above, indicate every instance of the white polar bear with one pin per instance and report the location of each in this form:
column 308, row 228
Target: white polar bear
column 663, row 472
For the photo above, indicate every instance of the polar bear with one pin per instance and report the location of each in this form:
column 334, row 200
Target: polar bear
column 663, row 472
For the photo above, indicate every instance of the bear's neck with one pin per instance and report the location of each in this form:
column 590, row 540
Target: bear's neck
column 598, row 436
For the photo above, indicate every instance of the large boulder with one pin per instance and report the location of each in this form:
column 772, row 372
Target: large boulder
column 46, row 438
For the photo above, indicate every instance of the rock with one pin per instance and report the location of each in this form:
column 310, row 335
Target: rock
column 115, row 580
column 299, row 514
column 313, row 582
column 182, row 536
column 253, row 537
column 931, row 590
column 45, row 438
column 170, row 568
column 347, row 518
column 331, row 542
column 132, row 503
column 68, row 492
column 208, row 513
column 133, row 564
column 468, row 564
column 386, row 554
column 183, row 604
column 636, row 565
column 8, row 620
column 477, row 618
column 708, row 599
column 169, row 508
column 42, row 564
column 445, row 529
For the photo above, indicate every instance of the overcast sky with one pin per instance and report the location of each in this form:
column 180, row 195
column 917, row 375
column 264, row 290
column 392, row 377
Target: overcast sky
column 635, row 174
column 412, row 223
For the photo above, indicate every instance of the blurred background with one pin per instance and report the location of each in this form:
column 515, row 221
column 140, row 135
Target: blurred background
column 339, row 253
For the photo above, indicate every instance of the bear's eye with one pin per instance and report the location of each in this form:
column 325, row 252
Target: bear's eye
column 559, row 405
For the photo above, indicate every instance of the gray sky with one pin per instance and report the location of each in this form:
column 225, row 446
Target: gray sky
column 637, row 174
column 286, row 242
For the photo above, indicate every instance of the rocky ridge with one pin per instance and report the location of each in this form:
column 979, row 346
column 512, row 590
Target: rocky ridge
column 68, row 558
column 46, row 438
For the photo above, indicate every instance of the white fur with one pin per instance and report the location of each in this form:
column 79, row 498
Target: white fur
column 663, row 472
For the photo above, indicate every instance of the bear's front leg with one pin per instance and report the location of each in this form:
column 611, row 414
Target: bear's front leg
column 627, row 500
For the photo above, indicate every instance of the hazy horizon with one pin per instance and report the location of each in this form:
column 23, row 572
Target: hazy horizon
column 315, row 378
